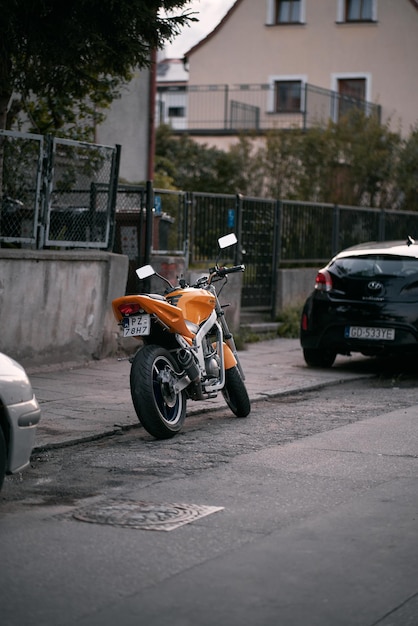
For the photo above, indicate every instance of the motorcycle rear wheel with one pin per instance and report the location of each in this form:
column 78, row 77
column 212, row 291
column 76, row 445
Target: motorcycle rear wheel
column 235, row 393
column 160, row 409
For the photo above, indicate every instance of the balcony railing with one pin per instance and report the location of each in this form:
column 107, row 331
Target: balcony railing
column 232, row 109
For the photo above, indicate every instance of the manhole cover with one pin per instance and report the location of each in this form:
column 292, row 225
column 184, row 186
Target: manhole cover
column 143, row 515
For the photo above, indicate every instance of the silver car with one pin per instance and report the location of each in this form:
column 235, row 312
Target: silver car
column 19, row 416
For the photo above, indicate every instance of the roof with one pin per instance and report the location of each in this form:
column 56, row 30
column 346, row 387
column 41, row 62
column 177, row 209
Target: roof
column 396, row 248
column 171, row 71
column 215, row 30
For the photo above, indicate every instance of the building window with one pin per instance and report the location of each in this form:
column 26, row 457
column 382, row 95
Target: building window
column 176, row 112
column 352, row 94
column 357, row 11
column 287, row 96
column 285, row 12
column 288, row 11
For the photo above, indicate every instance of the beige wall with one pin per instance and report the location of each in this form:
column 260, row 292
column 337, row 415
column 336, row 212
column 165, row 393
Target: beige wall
column 245, row 50
column 126, row 124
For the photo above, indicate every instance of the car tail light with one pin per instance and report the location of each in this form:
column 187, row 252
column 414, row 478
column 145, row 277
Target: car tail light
column 304, row 322
column 323, row 281
column 129, row 308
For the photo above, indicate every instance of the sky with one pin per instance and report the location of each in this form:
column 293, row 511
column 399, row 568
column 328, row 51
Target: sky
column 209, row 14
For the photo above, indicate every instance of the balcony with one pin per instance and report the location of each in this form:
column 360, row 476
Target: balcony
column 233, row 109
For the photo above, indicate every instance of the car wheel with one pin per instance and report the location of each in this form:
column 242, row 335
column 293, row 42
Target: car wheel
column 315, row 357
column 3, row 453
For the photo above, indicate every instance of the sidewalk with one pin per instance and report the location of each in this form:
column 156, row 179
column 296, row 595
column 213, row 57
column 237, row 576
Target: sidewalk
column 87, row 402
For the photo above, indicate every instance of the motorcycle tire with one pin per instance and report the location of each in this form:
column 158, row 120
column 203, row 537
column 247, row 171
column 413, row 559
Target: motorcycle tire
column 160, row 410
column 235, row 393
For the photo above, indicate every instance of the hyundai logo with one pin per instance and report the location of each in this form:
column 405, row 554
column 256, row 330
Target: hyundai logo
column 374, row 285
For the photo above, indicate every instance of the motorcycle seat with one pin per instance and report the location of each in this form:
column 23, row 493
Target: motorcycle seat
column 155, row 296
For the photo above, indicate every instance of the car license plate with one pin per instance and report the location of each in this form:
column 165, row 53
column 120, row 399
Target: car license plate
column 369, row 332
column 136, row 325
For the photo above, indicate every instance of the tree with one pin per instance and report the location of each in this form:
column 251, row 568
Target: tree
column 191, row 166
column 55, row 55
column 407, row 172
column 369, row 151
column 356, row 161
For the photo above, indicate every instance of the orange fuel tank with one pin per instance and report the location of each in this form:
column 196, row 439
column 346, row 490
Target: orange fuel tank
column 196, row 304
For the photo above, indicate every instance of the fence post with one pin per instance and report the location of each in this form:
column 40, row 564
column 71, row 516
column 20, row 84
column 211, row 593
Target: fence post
column 226, row 106
column 238, row 209
column 113, row 196
column 382, row 224
column 305, row 107
column 47, row 175
column 277, row 248
column 149, row 205
column 189, row 206
column 186, row 228
column 335, row 230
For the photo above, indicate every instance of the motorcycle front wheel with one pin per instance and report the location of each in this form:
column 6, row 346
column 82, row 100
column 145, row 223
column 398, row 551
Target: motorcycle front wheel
column 160, row 409
column 235, row 393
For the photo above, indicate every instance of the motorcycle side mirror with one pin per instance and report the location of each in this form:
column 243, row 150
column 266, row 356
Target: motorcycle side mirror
column 145, row 271
column 227, row 240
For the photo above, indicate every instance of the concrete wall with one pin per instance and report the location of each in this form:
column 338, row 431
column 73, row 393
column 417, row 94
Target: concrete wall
column 55, row 306
column 294, row 286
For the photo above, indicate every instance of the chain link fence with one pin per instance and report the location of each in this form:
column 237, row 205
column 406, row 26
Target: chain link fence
column 56, row 192
column 61, row 193
column 21, row 159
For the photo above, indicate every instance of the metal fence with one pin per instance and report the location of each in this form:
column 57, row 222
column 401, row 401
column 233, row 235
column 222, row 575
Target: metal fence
column 228, row 109
column 61, row 193
column 56, row 192
column 271, row 233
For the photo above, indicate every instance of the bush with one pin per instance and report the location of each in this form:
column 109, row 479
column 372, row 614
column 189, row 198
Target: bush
column 289, row 319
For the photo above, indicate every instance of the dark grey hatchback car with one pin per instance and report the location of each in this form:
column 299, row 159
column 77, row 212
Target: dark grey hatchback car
column 365, row 300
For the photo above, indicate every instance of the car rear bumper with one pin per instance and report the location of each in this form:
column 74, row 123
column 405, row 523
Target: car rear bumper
column 333, row 338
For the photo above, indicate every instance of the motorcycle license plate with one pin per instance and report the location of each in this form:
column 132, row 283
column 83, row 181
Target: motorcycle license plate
column 369, row 332
column 136, row 325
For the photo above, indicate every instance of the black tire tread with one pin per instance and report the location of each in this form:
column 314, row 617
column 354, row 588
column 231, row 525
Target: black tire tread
column 143, row 395
column 235, row 393
column 314, row 357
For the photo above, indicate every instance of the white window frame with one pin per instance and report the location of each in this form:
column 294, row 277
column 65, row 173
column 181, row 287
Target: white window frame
column 341, row 4
column 271, row 11
column 277, row 78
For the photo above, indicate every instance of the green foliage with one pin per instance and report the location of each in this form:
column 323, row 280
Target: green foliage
column 62, row 54
column 192, row 166
column 357, row 162
column 368, row 152
column 289, row 319
column 281, row 164
column 407, row 172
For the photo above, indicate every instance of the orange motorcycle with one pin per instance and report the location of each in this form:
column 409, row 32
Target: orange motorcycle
column 188, row 351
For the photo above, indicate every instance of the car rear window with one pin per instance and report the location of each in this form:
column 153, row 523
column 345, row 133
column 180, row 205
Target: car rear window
column 373, row 265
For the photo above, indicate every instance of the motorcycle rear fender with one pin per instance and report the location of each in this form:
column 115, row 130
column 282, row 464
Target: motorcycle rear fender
column 170, row 315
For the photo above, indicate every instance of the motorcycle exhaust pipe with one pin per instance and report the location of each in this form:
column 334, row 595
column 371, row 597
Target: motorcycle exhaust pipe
column 189, row 365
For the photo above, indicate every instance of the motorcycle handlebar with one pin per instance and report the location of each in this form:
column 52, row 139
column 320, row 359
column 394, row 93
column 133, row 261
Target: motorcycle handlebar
column 223, row 271
column 219, row 272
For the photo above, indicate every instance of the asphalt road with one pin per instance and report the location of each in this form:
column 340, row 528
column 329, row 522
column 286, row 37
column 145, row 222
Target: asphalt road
column 304, row 513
